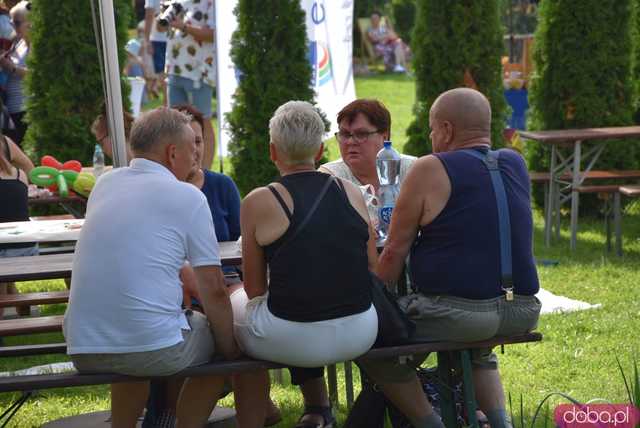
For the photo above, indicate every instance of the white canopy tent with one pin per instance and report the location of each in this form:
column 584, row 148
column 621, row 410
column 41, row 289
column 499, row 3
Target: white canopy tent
column 113, row 94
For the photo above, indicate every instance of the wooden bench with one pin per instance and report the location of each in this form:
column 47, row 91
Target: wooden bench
column 544, row 178
column 31, row 299
column 450, row 356
column 611, row 193
column 630, row 191
column 30, row 325
column 611, row 197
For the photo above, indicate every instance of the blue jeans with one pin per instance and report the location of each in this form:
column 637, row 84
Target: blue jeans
column 181, row 91
column 159, row 55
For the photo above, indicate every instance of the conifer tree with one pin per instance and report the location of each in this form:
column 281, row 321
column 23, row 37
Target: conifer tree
column 584, row 76
column 270, row 53
column 64, row 80
column 456, row 43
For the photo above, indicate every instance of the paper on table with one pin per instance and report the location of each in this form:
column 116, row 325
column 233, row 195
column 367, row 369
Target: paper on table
column 40, row 231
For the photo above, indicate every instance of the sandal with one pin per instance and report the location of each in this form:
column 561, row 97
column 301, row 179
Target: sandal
column 483, row 422
column 325, row 412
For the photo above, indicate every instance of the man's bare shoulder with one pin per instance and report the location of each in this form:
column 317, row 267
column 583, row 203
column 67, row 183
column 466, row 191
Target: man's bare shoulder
column 427, row 164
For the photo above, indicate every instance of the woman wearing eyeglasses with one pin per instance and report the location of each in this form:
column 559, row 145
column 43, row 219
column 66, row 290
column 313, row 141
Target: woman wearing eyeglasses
column 363, row 126
column 13, row 62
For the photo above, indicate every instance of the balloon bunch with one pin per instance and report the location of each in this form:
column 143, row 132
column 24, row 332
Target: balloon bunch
column 59, row 176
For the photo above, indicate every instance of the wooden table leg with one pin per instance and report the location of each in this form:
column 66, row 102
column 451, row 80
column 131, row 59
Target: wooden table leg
column 551, row 198
column 332, row 378
column 574, row 194
column 446, row 385
column 617, row 222
column 607, row 221
column 468, row 388
column 348, row 383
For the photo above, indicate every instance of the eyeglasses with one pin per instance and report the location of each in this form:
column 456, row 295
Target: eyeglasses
column 359, row 136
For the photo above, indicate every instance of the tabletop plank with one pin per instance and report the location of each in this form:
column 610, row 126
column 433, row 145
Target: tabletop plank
column 55, row 266
column 569, row 135
column 56, row 199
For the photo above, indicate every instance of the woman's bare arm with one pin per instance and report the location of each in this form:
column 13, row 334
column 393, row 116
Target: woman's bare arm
column 18, row 158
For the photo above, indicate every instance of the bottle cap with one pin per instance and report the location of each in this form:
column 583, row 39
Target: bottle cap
column 387, row 143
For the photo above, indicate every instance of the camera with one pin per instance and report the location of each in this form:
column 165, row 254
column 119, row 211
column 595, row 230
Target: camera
column 169, row 14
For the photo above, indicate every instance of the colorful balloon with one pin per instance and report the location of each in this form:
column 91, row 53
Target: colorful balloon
column 58, row 176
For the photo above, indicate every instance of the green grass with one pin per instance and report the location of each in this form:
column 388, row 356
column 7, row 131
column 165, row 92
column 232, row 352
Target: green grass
column 578, row 353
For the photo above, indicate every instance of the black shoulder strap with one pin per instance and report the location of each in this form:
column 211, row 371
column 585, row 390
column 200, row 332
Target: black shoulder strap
column 314, row 207
column 278, row 196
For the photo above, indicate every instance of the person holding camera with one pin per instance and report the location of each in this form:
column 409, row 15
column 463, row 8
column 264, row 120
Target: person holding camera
column 190, row 60
column 154, row 46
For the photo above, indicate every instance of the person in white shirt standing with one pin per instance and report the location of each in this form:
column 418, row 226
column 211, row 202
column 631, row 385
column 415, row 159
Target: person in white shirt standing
column 190, row 61
column 124, row 314
column 155, row 45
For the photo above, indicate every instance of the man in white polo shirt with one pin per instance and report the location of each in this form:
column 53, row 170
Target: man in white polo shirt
column 124, row 315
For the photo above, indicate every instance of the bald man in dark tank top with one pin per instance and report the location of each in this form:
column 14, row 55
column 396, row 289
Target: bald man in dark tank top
column 446, row 218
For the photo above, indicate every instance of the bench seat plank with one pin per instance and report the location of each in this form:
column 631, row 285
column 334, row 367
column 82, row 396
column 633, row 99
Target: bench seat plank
column 31, row 299
column 605, row 188
column 29, row 350
column 30, row 325
column 632, row 191
column 36, row 382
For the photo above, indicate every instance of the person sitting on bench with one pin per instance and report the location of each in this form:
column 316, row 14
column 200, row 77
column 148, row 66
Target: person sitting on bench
column 124, row 314
column 14, row 167
column 447, row 215
column 307, row 247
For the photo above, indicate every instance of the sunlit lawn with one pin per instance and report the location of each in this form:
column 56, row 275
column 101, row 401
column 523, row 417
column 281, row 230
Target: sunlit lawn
column 579, row 350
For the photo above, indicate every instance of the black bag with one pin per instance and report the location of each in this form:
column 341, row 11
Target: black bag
column 368, row 410
column 394, row 327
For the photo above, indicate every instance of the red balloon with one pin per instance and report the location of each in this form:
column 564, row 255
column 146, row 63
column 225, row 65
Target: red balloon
column 73, row 165
column 48, row 160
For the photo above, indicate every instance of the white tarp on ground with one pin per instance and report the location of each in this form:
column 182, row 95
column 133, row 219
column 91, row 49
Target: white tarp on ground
column 329, row 31
column 552, row 303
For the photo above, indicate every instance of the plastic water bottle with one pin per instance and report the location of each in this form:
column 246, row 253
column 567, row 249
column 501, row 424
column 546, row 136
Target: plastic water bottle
column 388, row 165
column 98, row 161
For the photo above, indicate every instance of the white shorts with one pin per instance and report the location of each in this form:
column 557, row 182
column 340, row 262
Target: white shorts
column 262, row 335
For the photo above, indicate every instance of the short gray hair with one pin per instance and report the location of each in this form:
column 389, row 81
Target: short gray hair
column 157, row 127
column 296, row 129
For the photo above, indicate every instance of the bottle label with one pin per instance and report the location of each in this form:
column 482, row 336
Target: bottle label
column 385, row 214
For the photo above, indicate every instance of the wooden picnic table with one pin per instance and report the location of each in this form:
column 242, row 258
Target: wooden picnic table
column 40, row 231
column 571, row 164
column 66, row 202
column 56, row 266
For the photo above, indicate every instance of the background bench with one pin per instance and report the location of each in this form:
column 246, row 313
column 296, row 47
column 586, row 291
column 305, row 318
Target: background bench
column 607, row 193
